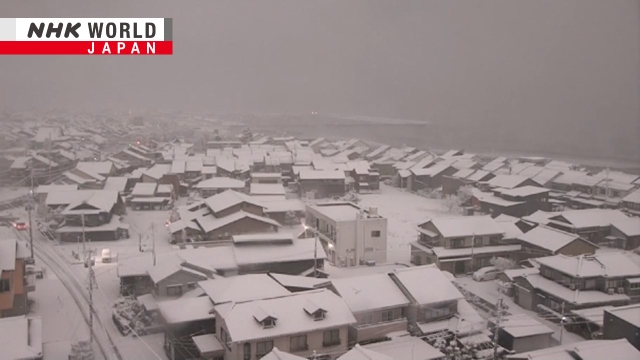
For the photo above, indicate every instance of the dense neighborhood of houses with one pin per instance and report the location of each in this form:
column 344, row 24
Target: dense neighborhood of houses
column 258, row 228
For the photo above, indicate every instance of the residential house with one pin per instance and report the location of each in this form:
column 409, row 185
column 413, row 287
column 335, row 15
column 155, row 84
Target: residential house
column 521, row 333
column 623, row 323
column 92, row 214
column 593, row 225
column 151, row 196
column 631, row 203
column 317, row 184
column 429, row 177
column 461, row 244
column 172, row 278
column 626, row 233
column 438, row 309
column 21, row 337
column 267, row 190
column 377, row 304
column 584, row 350
column 266, row 178
column 518, row 202
column 15, row 283
column 578, row 282
column 546, row 241
column 349, row 234
column 304, row 324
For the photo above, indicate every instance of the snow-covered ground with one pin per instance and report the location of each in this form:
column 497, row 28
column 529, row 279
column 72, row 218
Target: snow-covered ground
column 404, row 211
column 8, row 193
column 488, row 290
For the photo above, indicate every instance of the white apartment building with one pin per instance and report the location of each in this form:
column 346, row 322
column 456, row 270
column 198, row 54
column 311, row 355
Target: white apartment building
column 349, row 234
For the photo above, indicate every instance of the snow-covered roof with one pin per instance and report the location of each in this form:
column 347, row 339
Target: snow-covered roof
column 506, row 181
column 521, row 325
column 360, row 353
column 633, row 197
column 459, row 226
column 164, row 188
column 617, row 176
column 100, row 168
column 46, row 189
column 629, row 313
column 21, row 337
column 290, row 314
column 257, row 175
column 590, row 217
column 548, row 238
column 594, row 315
column 463, row 173
column 113, row 225
column 440, row 288
column 300, row 249
column 178, row 167
column 211, row 223
column 20, row 162
column 300, row 282
column 228, row 199
column 338, row 211
column 584, row 350
column 406, row 347
column 144, row 189
column 116, row 183
column 610, row 264
column 242, row 288
column 166, row 269
column 444, row 253
column 478, row 175
column 158, row 171
column 629, row 227
column 283, row 205
column 321, row 175
column 276, row 354
column 524, row 191
column 432, row 170
column 220, row 183
column 370, row 292
column 545, row 176
column 207, row 344
column 263, row 238
column 266, row 189
column 186, row 310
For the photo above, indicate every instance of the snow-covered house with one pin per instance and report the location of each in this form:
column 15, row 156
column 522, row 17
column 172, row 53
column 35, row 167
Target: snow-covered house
column 377, row 304
column 626, row 233
column 319, row 184
column 15, row 284
column 622, row 322
column 401, row 347
column 520, row 333
column 546, row 241
column 631, row 203
column 303, row 324
column 579, row 282
column 216, row 185
column 21, row 337
column 437, row 308
column 584, row 350
column 460, row 244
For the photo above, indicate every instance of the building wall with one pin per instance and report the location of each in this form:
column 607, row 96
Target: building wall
column 531, row 343
column 577, row 247
column 182, row 278
column 616, row 328
column 314, row 341
column 289, row 267
column 322, row 188
column 377, row 329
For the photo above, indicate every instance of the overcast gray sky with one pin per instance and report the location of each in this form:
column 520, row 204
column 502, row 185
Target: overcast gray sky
column 563, row 63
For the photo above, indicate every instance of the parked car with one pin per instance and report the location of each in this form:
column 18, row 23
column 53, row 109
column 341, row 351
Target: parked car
column 106, row 256
column 21, row 226
column 486, row 273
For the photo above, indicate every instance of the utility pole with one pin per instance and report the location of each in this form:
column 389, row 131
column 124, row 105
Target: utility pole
column 473, row 245
column 140, row 242
column 315, row 254
column 89, row 263
column 562, row 321
column 153, row 235
column 30, row 202
column 497, row 330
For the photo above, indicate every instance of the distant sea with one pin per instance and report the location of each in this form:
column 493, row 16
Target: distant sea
column 581, row 146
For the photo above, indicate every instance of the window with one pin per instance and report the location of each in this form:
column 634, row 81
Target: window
column 298, row 343
column 263, row 348
column 269, row 323
column 174, row 290
column 435, row 313
column 477, row 241
column 375, row 233
column 387, row 315
column 456, row 243
column 331, row 338
column 5, row 285
column 224, row 338
column 247, row 351
column 590, row 284
column 191, row 285
column 367, row 319
column 318, row 315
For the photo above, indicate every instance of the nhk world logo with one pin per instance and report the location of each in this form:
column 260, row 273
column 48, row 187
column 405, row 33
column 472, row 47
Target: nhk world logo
column 90, row 36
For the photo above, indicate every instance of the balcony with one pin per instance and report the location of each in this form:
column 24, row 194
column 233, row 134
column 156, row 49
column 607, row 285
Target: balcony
column 331, row 343
column 379, row 330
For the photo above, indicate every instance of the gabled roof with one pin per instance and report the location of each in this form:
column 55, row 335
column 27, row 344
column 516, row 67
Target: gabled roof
column 166, row 269
column 266, row 189
column 289, row 310
column 459, row 226
column 100, row 168
column 432, row 170
column 583, row 350
column 370, row 292
column 406, row 347
column 144, row 189
column 610, row 264
column 548, row 238
column 633, row 197
column 629, row 227
column 414, row 281
column 242, row 288
column 360, row 353
column 276, row 354
column 506, row 181
column 228, row 199
column 116, row 183
column 184, row 310
column 321, row 175
column 210, row 223
column 220, row 183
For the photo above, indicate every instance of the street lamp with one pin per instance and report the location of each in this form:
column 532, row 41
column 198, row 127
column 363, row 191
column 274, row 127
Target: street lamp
column 315, row 249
